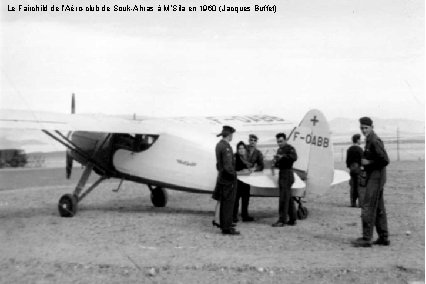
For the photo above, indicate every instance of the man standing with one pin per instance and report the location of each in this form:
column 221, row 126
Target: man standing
column 373, row 212
column 225, row 189
column 284, row 159
column 353, row 162
column 255, row 157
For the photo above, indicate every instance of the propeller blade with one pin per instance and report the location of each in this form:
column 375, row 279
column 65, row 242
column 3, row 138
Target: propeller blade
column 68, row 157
column 73, row 103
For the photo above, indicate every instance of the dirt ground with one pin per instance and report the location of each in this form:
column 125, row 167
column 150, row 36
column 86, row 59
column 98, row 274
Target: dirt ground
column 121, row 238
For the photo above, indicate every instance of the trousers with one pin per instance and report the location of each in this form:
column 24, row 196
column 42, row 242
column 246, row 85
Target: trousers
column 227, row 200
column 243, row 193
column 354, row 189
column 373, row 211
column 286, row 202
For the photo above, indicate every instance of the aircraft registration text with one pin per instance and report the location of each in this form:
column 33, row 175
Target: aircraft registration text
column 312, row 139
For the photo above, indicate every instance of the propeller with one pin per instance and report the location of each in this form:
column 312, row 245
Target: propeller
column 68, row 157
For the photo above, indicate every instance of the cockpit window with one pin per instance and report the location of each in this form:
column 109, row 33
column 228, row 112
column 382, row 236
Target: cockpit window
column 134, row 142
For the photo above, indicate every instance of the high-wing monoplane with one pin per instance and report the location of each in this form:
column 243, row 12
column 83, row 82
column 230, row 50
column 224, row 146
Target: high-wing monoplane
column 178, row 153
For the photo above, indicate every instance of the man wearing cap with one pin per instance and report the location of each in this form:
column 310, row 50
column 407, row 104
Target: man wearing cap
column 284, row 159
column 353, row 162
column 225, row 189
column 373, row 212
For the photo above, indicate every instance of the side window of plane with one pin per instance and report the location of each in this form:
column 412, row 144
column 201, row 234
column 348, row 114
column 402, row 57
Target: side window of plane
column 144, row 142
column 134, row 143
column 123, row 141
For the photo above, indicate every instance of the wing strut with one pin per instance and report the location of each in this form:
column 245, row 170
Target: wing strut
column 58, row 136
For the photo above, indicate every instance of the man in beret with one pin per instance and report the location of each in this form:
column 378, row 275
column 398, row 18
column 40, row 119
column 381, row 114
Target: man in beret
column 353, row 162
column 373, row 212
column 225, row 189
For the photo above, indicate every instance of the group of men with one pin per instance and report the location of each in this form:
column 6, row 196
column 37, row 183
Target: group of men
column 368, row 176
column 226, row 189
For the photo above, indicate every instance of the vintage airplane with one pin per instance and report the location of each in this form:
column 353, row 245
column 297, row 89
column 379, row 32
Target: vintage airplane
column 178, row 153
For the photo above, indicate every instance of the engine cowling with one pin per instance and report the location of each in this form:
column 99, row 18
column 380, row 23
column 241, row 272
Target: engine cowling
column 88, row 142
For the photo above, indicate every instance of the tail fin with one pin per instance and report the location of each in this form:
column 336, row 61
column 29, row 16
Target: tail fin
column 315, row 151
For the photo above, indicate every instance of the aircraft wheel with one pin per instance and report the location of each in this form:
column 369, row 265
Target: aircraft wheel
column 67, row 205
column 159, row 196
column 302, row 213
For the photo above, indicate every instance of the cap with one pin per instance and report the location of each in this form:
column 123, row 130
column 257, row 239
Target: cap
column 226, row 130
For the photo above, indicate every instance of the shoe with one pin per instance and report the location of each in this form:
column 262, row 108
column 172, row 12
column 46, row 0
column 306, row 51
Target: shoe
column 218, row 225
column 278, row 224
column 382, row 242
column 292, row 223
column 235, row 220
column 362, row 242
column 230, row 232
column 248, row 219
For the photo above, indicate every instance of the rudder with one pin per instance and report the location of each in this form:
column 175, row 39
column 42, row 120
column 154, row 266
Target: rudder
column 315, row 151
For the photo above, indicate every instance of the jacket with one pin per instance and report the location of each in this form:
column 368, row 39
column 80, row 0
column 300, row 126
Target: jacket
column 375, row 152
column 225, row 162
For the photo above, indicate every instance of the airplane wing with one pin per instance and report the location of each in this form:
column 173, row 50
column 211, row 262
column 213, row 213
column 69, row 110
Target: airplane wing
column 244, row 124
column 21, row 119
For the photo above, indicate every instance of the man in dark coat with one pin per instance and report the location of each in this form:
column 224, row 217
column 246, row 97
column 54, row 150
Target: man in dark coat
column 373, row 212
column 353, row 162
column 254, row 156
column 225, row 189
column 284, row 159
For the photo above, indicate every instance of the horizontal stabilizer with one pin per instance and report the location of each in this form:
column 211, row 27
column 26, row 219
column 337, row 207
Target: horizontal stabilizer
column 267, row 180
column 340, row 176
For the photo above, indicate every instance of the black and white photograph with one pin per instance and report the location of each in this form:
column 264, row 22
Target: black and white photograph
column 222, row 141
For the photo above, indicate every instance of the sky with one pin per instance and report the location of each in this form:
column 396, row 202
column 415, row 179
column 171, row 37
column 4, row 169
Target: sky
column 348, row 58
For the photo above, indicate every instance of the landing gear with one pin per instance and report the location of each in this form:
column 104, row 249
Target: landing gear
column 68, row 203
column 158, row 196
column 302, row 212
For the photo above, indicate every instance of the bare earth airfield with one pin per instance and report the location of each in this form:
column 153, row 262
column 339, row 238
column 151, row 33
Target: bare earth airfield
column 121, row 238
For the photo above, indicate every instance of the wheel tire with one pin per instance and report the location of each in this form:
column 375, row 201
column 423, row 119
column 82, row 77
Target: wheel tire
column 67, row 205
column 302, row 213
column 159, row 197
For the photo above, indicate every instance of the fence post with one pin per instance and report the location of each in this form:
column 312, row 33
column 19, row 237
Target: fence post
column 397, row 144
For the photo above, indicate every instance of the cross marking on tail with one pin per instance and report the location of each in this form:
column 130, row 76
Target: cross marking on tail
column 314, row 120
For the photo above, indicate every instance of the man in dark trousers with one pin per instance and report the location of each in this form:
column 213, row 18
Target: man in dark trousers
column 373, row 212
column 225, row 189
column 353, row 162
column 284, row 159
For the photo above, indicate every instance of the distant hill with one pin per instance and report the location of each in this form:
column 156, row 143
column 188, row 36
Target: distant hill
column 344, row 128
